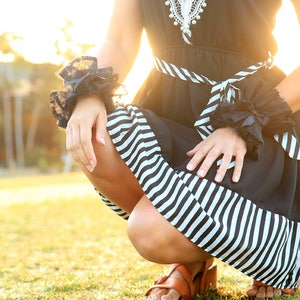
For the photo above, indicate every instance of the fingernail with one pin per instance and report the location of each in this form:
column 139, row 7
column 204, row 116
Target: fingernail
column 236, row 179
column 190, row 167
column 201, row 173
column 90, row 169
column 218, row 178
column 92, row 164
column 102, row 140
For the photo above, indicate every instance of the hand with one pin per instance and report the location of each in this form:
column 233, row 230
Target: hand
column 89, row 114
column 223, row 141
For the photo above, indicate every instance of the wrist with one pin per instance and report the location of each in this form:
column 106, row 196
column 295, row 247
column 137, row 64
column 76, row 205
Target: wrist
column 82, row 81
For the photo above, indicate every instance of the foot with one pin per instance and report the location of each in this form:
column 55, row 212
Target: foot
column 183, row 282
column 160, row 293
column 263, row 291
column 176, row 285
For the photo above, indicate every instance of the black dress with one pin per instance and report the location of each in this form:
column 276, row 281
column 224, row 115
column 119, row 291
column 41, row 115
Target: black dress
column 253, row 225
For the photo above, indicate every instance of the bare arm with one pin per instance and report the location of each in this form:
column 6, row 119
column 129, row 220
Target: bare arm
column 118, row 51
column 122, row 42
column 296, row 4
column 289, row 89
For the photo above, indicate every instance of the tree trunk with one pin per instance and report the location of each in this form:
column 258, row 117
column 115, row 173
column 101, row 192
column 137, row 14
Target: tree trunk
column 33, row 127
column 19, row 131
column 8, row 135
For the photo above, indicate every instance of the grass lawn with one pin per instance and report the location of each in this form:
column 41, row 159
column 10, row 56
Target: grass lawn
column 58, row 241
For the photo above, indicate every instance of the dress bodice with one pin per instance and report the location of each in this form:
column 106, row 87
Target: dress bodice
column 230, row 36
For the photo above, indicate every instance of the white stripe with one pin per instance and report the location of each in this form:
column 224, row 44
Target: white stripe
column 160, row 186
column 218, row 221
column 188, row 74
column 284, row 141
column 246, row 229
column 257, row 243
column 168, row 70
column 173, row 209
column 229, row 233
column 180, row 75
column 223, row 203
column 232, row 94
column 273, row 253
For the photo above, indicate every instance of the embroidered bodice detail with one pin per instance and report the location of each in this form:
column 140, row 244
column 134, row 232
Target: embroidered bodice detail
column 185, row 13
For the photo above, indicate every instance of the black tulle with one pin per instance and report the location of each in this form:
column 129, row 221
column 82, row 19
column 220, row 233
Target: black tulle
column 82, row 77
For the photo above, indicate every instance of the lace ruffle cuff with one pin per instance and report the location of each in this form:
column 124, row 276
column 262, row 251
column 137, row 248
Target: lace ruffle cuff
column 251, row 124
column 82, row 77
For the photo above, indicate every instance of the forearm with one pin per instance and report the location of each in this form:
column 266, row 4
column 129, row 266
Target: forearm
column 123, row 37
column 116, row 55
column 289, row 89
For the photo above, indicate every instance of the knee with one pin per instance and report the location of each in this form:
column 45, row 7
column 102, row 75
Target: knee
column 148, row 238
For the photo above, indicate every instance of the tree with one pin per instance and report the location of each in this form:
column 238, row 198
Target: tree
column 7, row 54
column 24, row 103
column 66, row 48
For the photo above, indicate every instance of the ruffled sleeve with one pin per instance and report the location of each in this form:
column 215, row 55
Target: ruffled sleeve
column 82, row 77
column 265, row 113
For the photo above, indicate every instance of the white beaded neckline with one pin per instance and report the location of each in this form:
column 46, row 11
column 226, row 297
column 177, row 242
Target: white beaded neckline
column 185, row 13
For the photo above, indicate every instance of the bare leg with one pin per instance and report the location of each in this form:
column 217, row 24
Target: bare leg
column 153, row 237
column 158, row 241
column 113, row 178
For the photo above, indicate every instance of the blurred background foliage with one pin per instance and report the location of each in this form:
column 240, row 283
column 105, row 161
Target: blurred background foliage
column 29, row 136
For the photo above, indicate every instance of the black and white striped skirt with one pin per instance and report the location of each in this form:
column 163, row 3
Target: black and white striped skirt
column 243, row 224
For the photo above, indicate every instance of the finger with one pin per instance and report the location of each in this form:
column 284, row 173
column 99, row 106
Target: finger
column 86, row 149
column 101, row 131
column 68, row 139
column 71, row 144
column 239, row 162
column 223, row 168
column 208, row 161
column 191, row 152
column 195, row 149
column 76, row 150
column 75, row 144
column 196, row 159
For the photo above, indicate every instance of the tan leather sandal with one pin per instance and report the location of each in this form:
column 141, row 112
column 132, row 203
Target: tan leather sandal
column 285, row 292
column 186, row 286
column 207, row 278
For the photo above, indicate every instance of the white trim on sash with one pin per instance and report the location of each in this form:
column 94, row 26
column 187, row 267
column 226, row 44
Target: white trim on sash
column 220, row 91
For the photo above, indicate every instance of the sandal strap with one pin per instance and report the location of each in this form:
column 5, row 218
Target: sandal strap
column 184, row 286
column 202, row 275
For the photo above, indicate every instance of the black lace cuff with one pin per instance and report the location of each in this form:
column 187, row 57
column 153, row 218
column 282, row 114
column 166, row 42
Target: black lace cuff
column 81, row 77
column 251, row 124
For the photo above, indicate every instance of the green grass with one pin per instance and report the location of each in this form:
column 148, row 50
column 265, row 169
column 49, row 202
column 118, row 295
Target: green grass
column 58, row 241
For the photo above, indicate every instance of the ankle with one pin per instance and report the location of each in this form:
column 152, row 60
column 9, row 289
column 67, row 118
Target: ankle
column 195, row 268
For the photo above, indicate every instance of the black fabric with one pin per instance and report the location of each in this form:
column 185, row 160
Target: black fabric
column 267, row 182
column 224, row 42
column 82, row 77
column 251, row 123
column 230, row 36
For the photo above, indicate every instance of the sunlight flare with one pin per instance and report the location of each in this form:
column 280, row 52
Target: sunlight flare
column 287, row 34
